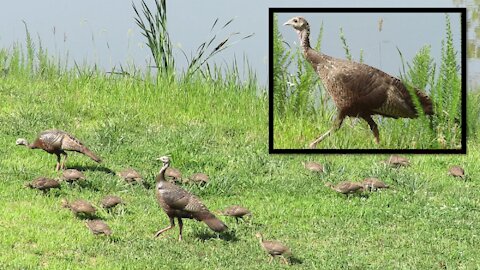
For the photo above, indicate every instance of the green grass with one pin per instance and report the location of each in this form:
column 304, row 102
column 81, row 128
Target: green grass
column 426, row 220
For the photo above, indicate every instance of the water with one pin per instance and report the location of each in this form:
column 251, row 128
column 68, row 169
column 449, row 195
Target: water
column 104, row 32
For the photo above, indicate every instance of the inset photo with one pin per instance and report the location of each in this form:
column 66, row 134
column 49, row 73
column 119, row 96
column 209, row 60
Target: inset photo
column 367, row 80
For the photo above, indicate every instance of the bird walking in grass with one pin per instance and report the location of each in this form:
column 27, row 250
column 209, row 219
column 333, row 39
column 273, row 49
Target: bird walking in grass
column 456, row 171
column 179, row 203
column 313, row 166
column 57, row 142
column 373, row 184
column 72, row 175
column 274, row 248
column 44, row 184
column 80, row 207
column 111, row 201
column 346, row 187
column 131, row 176
column 397, row 161
column 98, row 226
column 199, row 178
column 359, row 90
column 235, row 211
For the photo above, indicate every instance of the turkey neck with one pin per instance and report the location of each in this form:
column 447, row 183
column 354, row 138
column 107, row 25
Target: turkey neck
column 304, row 36
column 30, row 145
column 161, row 175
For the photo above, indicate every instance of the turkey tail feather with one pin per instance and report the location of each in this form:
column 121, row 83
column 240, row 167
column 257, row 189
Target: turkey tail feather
column 213, row 222
column 90, row 154
column 426, row 102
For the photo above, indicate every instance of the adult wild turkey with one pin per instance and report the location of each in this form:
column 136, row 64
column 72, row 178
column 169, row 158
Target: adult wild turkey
column 179, row 203
column 358, row 90
column 57, row 142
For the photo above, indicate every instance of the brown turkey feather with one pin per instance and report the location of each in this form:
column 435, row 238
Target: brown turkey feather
column 213, row 222
column 359, row 90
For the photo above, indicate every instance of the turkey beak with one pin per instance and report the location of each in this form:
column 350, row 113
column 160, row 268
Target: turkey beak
column 289, row 22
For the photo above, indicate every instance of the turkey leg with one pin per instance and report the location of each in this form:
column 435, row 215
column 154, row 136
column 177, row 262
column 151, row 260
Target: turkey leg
column 336, row 125
column 180, row 226
column 58, row 162
column 172, row 224
column 64, row 160
column 373, row 127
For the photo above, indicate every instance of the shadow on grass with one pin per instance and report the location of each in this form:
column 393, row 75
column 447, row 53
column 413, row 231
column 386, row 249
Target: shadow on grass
column 84, row 184
column 227, row 236
column 93, row 168
column 295, row 260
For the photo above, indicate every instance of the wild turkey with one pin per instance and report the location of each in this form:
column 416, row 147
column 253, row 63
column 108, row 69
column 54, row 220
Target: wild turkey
column 179, row 203
column 313, row 166
column 72, row 175
column 346, row 187
column 274, row 248
column 131, row 176
column 358, row 90
column 373, row 184
column 235, row 211
column 44, row 184
column 57, row 142
column 97, row 226
column 199, row 178
column 80, row 207
column 110, row 201
column 397, row 161
column 456, row 171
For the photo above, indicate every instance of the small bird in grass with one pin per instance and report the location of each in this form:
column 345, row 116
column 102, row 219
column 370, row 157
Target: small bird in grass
column 80, row 207
column 373, row 184
column 313, row 166
column 236, row 211
column 199, row 178
column 44, row 184
column 111, row 201
column 456, row 171
column 179, row 203
column 57, row 142
column 130, row 176
column 397, row 161
column 98, row 226
column 274, row 248
column 72, row 175
column 346, row 187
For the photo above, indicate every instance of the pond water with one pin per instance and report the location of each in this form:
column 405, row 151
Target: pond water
column 104, row 32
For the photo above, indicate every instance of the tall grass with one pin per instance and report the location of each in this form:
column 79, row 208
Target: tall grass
column 154, row 29
column 442, row 131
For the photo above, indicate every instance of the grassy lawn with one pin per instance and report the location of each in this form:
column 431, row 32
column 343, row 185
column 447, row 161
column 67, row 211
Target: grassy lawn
column 426, row 221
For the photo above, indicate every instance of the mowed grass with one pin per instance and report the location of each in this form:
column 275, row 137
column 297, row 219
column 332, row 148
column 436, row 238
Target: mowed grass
column 427, row 220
